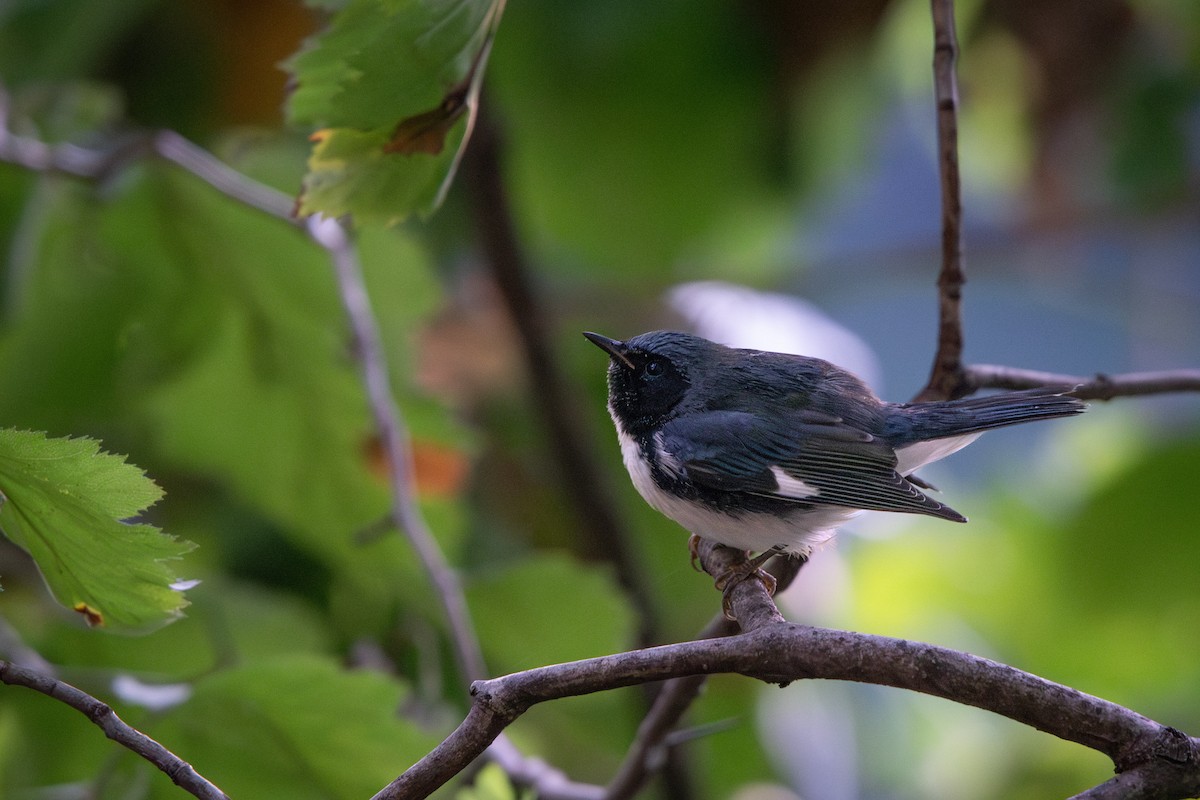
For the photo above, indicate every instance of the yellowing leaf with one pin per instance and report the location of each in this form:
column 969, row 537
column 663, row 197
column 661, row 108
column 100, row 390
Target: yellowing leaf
column 395, row 87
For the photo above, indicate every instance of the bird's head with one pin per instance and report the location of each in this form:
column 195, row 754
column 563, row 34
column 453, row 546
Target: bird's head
column 649, row 375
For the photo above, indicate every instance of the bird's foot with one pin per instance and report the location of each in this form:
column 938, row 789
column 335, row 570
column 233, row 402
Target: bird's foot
column 728, row 580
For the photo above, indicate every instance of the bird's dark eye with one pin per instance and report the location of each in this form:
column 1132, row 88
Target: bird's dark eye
column 654, row 368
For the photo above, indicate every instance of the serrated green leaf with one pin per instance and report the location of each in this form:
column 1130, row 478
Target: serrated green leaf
column 64, row 502
column 297, row 727
column 394, row 84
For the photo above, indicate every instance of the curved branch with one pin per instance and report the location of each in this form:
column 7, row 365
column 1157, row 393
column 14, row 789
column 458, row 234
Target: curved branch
column 100, row 713
column 784, row 652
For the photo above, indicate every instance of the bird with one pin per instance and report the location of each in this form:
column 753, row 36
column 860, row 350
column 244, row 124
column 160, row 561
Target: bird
column 771, row 452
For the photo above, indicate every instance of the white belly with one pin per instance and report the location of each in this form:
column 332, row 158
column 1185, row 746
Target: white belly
column 799, row 532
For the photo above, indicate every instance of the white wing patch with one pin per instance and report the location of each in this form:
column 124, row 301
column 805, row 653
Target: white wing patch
column 914, row 456
column 792, row 487
column 799, row 531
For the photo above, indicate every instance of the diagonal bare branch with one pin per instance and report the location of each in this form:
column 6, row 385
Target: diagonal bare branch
column 100, row 713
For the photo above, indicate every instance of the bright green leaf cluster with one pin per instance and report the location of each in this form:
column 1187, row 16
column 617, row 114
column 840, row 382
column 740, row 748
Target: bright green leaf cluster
column 64, row 501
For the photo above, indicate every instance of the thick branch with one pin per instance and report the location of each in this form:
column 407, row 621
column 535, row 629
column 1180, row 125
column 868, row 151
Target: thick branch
column 784, row 652
column 175, row 768
column 946, row 379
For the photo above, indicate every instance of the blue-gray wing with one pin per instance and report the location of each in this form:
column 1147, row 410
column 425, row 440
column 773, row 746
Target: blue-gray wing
column 805, row 457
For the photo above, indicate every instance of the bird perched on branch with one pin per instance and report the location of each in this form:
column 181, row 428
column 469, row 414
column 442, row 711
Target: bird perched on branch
column 770, row 452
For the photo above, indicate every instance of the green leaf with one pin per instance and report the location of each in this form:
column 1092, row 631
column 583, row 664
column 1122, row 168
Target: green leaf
column 577, row 611
column 64, row 502
column 296, row 727
column 394, row 83
column 270, row 402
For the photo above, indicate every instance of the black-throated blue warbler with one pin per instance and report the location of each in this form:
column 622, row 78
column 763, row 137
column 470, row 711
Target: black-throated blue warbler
column 770, row 452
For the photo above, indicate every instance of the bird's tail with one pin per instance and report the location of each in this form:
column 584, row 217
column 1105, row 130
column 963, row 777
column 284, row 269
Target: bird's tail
column 976, row 414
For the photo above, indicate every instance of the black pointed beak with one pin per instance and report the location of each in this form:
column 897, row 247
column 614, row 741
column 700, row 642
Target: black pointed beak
column 617, row 350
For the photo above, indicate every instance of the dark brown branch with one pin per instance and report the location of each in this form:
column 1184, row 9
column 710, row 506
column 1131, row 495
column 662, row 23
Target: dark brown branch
column 784, row 652
column 601, row 530
column 102, row 715
column 1100, row 387
column 946, row 376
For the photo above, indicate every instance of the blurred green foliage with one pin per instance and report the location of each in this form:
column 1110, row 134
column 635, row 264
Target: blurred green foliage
column 644, row 144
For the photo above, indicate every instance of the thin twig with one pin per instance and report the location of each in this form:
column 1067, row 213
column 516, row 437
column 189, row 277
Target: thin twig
column 670, row 704
column 945, row 378
column 1099, row 387
column 333, row 236
column 406, row 514
column 99, row 164
column 170, row 146
column 548, row 782
column 100, row 713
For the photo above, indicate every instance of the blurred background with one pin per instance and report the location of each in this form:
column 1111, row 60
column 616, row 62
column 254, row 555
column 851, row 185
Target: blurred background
column 763, row 172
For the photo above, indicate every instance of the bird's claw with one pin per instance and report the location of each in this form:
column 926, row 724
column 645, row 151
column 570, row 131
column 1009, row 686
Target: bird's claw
column 728, row 580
